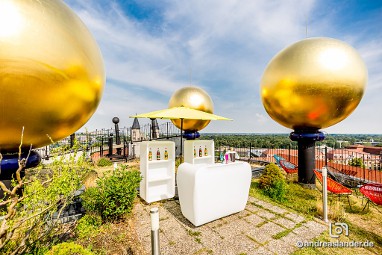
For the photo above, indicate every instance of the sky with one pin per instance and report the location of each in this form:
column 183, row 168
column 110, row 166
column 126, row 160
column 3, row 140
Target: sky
column 153, row 48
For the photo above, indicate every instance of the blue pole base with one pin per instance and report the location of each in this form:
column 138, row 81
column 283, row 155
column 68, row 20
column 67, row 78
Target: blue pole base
column 191, row 135
column 306, row 140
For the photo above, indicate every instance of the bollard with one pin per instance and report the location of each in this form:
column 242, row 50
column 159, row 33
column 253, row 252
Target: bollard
column 325, row 193
column 154, row 213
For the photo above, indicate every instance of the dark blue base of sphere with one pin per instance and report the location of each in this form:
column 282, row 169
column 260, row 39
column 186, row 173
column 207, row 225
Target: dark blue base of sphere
column 307, row 135
column 10, row 164
column 191, row 135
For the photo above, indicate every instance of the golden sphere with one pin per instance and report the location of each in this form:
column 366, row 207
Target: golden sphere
column 51, row 72
column 195, row 98
column 314, row 83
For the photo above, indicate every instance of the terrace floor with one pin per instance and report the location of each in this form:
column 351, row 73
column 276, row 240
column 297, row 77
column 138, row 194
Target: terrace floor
column 262, row 228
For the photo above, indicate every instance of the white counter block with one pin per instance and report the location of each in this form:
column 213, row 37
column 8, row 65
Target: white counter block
column 211, row 191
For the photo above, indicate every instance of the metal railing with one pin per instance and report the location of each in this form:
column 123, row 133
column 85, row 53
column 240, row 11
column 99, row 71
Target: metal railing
column 363, row 166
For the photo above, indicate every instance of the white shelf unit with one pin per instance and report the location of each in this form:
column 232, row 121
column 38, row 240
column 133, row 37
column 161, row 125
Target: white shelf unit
column 199, row 151
column 158, row 174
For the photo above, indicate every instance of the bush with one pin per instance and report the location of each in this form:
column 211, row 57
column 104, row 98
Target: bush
column 68, row 248
column 88, row 225
column 31, row 221
column 114, row 195
column 273, row 183
column 104, row 162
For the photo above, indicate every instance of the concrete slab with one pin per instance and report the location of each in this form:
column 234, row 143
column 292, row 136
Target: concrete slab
column 265, row 214
column 285, row 223
column 241, row 233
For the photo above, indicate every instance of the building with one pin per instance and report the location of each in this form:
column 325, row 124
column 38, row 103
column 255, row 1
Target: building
column 344, row 156
column 136, row 131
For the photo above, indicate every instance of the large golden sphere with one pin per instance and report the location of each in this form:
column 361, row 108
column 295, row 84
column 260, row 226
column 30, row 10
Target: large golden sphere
column 314, row 83
column 195, row 98
column 51, row 72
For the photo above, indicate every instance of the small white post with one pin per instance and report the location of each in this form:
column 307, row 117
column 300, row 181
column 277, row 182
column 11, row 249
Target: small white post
column 115, row 166
column 154, row 213
column 325, row 193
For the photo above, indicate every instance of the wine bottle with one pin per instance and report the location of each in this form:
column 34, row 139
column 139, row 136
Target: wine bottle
column 150, row 155
column 158, row 154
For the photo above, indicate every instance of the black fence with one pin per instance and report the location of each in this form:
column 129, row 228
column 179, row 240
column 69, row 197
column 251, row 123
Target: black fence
column 363, row 166
column 103, row 142
column 109, row 141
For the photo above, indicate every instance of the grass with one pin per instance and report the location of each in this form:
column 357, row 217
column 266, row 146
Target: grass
column 195, row 234
column 363, row 226
column 298, row 199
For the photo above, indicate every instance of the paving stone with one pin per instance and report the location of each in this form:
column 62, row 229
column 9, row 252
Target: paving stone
column 233, row 228
column 271, row 228
column 234, row 234
column 265, row 214
column 230, row 218
column 216, row 223
column 243, row 214
column 252, row 200
column 263, row 251
column 285, row 223
column 235, row 245
column 292, row 239
column 263, row 204
column 277, row 209
column 316, row 227
column 254, row 220
column 173, row 230
column 259, row 235
column 252, row 208
column 305, row 232
column 294, row 217
column 279, row 247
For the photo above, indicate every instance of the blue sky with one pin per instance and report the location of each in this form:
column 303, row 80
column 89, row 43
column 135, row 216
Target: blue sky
column 152, row 48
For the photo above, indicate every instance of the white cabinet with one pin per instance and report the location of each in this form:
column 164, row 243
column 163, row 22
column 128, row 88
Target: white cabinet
column 199, row 151
column 157, row 165
column 209, row 192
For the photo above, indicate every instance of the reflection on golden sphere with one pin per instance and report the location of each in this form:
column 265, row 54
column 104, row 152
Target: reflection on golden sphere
column 51, row 72
column 314, row 83
column 195, row 98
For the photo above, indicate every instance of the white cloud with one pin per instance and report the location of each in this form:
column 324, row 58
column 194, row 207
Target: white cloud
column 222, row 46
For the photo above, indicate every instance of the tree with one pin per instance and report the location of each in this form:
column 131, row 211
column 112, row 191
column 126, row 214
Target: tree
column 356, row 162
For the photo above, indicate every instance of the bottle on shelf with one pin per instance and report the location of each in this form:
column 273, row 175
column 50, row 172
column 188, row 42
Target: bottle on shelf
column 150, row 155
column 194, row 152
column 165, row 154
column 158, row 154
column 205, row 151
column 200, row 151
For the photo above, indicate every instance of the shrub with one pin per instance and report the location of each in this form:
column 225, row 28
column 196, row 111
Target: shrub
column 104, row 162
column 114, row 195
column 30, row 222
column 68, row 248
column 88, row 225
column 273, row 183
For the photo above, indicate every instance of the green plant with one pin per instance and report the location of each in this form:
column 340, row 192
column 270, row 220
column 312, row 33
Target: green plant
column 356, row 162
column 273, row 183
column 30, row 220
column 88, row 225
column 68, row 248
column 104, row 162
column 114, row 194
